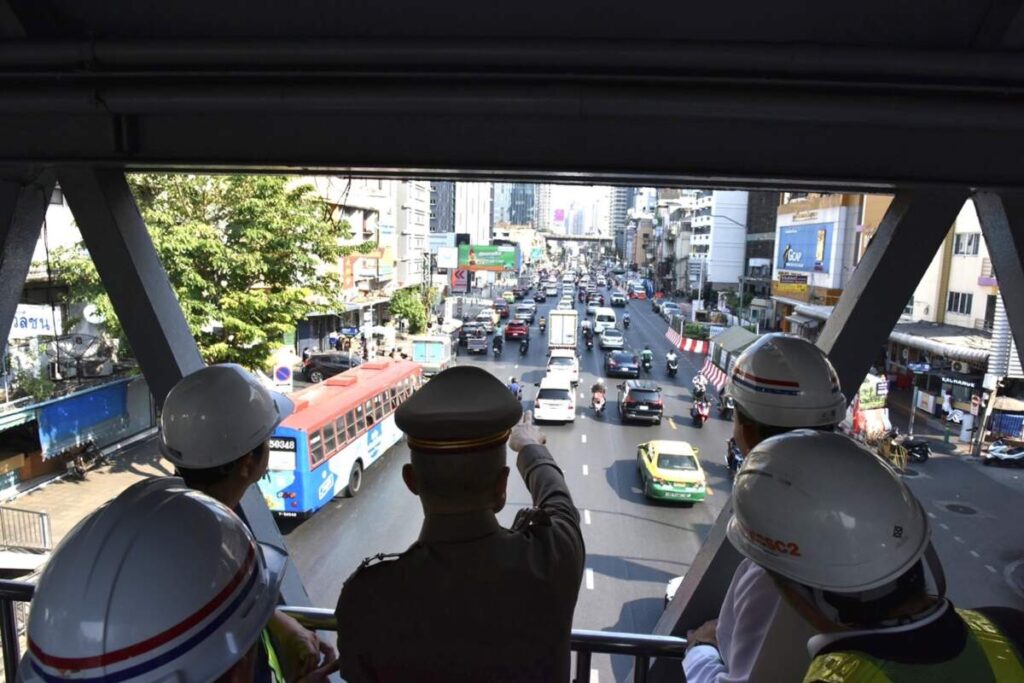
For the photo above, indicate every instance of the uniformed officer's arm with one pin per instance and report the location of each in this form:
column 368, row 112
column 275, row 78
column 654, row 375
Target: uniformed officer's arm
column 546, row 484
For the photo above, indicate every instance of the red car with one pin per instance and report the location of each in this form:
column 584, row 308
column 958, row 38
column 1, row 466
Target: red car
column 501, row 306
column 517, row 329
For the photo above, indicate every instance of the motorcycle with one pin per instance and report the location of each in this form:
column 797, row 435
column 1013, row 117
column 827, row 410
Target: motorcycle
column 543, row 324
column 597, row 402
column 625, row 322
column 725, row 407
column 645, row 363
column 699, row 392
column 1001, row 453
column 524, row 347
column 590, row 343
column 699, row 412
column 917, row 449
column 497, row 350
column 76, row 467
column 672, row 365
column 733, row 457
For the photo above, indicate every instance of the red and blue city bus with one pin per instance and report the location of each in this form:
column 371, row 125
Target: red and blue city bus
column 339, row 428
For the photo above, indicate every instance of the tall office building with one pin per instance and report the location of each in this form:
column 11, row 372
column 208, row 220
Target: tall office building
column 473, row 211
column 543, row 207
column 619, row 206
column 442, row 206
column 514, row 203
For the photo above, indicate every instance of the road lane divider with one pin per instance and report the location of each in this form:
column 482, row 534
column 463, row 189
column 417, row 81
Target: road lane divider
column 583, row 438
column 590, row 579
column 672, row 423
column 586, row 516
column 586, row 470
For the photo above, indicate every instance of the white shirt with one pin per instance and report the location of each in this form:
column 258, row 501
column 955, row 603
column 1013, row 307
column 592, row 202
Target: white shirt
column 747, row 613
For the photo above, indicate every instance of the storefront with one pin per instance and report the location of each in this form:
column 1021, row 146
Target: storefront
column 932, row 386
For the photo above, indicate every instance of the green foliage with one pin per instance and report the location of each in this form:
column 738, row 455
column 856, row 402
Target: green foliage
column 242, row 254
column 696, row 331
column 39, row 387
column 408, row 303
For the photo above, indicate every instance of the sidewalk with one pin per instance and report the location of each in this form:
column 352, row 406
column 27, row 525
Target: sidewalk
column 926, row 426
column 68, row 502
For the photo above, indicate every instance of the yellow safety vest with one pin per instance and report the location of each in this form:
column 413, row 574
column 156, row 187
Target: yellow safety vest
column 987, row 657
column 272, row 661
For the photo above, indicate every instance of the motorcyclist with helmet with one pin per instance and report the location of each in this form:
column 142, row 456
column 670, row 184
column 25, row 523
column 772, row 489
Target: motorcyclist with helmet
column 778, row 384
column 858, row 578
column 647, row 356
column 625, row 320
column 598, row 395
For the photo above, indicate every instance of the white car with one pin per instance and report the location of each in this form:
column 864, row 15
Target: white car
column 551, row 290
column 592, row 307
column 668, row 310
column 564, row 305
column 564, row 362
column 556, row 401
column 611, row 338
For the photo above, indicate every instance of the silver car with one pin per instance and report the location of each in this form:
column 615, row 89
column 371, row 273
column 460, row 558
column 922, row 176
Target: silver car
column 612, row 338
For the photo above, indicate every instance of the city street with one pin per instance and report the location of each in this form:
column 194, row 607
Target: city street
column 635, row 546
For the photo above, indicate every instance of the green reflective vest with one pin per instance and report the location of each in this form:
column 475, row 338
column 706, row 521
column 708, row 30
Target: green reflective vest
column 272, row 661
column 987, row 657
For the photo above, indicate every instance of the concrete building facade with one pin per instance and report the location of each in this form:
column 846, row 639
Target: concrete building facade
column 718, row 241
column 442, row 206
column 473, row 211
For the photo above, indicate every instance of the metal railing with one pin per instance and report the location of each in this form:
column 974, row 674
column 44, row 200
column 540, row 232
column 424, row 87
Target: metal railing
column 642, row 648
column 26, row 529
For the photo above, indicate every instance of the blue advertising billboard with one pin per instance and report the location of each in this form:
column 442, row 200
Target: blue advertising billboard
column 805, row 248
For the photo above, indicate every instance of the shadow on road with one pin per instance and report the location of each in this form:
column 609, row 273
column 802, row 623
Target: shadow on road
column 636, row 616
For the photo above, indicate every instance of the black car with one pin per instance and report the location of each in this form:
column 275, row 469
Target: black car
column 468, row 330
column 640, row 399
column 621, row 364
column 320, row 366
column 540, row 297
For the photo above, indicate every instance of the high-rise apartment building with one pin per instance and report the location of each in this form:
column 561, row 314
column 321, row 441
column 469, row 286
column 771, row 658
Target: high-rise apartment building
column 618, row 216
column 514, row 203
column 411, row 260
column 473, row 211
column 543, row 208
column 718, row 242
column 442, row 206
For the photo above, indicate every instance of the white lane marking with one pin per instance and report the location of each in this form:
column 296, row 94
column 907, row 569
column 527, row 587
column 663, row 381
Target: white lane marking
column 586, row 516
column 590, row 579
column 586, row 470
column 991, row 568
column 672, row 423
column 583, row 438
column 932, row 515
column 958, row 539
column 595, row 676
column 975, row 554
column 944, row 526
column 516, row 366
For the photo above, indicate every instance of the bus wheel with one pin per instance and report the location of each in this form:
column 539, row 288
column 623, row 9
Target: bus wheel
column 355, row 479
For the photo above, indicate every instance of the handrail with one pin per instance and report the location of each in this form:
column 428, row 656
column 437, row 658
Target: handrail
column 642, row 647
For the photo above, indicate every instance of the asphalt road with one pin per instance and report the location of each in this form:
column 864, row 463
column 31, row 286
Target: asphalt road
column 634, row 546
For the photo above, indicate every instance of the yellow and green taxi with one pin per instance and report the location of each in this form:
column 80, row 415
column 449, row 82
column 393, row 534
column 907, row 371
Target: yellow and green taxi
column 670, row 470
column 509, row 296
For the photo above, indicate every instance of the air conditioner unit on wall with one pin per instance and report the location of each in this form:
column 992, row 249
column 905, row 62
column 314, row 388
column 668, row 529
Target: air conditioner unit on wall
column 960, row 366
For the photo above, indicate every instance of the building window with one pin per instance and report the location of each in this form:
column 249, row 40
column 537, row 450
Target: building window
column 959, row 302
column 909, row 308
column 966, row 243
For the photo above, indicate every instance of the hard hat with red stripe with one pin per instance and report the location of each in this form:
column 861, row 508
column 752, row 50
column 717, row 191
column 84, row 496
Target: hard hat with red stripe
column 786, row 381
column 162, row 583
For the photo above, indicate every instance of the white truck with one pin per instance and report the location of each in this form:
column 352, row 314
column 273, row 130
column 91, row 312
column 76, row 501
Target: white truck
column 562, row 330
column 433, row 352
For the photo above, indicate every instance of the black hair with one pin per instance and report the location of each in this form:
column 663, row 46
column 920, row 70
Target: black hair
column 869, row 612
column 209, row 476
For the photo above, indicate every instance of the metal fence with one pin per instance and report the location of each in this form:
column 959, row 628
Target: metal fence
column 24, row 529
column 642, row 648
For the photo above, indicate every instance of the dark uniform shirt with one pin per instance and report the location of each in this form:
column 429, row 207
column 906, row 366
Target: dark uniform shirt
column 471, row 600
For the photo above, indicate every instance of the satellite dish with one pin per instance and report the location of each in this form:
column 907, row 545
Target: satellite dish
column 92, row 315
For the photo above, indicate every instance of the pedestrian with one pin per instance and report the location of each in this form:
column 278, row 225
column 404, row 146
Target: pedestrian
column 306, row 353
column 215, row 428
column 120, row 576
column 332, row 339
column 779, row 383
column 469, row 600
column 845, row 542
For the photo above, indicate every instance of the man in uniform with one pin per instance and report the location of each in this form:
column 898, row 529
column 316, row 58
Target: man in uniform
column 470, row 600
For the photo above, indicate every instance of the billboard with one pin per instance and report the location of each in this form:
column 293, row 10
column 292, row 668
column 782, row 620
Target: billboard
column 805, row 248
column 460, row 281
column 447, row 257
column 488, row 257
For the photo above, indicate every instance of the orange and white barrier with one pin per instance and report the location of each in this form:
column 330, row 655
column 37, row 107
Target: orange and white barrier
column 685, row 343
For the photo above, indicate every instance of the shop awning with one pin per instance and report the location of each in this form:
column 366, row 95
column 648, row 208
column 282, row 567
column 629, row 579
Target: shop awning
column 955, row 343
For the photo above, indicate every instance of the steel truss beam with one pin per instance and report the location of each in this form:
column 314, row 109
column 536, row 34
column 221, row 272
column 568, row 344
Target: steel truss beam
column 135, row 280
column 895, row 261
column 1002, row 223
column 24, row 199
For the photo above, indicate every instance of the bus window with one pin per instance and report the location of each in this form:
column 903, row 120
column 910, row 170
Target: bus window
column 329, row 444
column 359, row 418
column 340, row 427
column 369, row 414
column 316, row 448
column 350, row 420
column 378, row 407
column 393, row 395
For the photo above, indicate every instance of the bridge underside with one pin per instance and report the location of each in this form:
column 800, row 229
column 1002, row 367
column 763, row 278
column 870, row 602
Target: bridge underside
column 923, row 100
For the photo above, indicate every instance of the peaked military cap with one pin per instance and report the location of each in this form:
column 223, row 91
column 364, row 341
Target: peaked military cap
column 462, row 408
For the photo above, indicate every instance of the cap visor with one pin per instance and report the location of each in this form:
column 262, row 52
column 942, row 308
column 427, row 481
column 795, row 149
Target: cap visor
column 285, row 406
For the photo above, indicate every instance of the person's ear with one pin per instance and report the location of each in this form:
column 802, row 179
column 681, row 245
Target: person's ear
column 501, row 490
column 409, row 477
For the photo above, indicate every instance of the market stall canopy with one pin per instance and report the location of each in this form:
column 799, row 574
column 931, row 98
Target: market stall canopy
column 955, row 343
column 734, row 339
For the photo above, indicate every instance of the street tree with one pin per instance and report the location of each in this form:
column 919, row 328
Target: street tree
column 408, row 303
column 245, row 254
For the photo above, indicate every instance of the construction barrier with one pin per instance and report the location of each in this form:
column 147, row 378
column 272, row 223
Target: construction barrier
column 685, row 343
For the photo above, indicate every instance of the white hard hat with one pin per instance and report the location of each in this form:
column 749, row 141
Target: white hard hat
column 786, row 381
column 822, row 510
column 162, row 583
column 218, row 414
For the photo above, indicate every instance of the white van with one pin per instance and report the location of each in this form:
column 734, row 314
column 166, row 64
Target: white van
column 555, row 402
column 604, row 317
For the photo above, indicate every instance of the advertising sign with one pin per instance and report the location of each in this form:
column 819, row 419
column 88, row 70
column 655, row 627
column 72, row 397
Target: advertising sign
column 447, row 257
column 559, row 215
column 460, row 281
column 536, row 254
column 786, row 289
column 31, row 320
column 805, row 248
column 870, row 398
column 793, row 278
column 488, row 257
